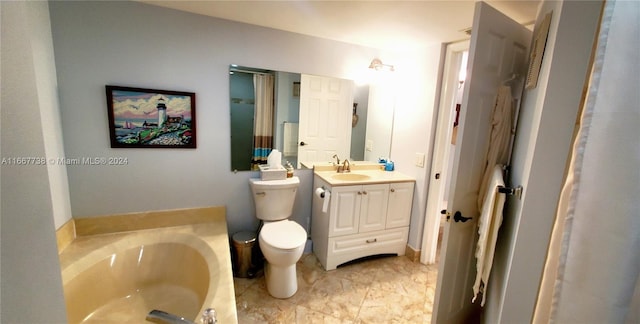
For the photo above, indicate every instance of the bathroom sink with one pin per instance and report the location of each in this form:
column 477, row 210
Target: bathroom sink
column 350, row 177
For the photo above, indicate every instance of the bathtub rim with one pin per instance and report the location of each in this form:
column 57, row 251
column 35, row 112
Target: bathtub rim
column 209, row 239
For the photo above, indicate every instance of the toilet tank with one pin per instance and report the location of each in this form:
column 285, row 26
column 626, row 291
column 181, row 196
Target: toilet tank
column 274, row 198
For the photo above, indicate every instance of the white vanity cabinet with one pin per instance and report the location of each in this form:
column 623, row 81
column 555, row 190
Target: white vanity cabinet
column 361, row 220
column 360, row 209
column 399, row 205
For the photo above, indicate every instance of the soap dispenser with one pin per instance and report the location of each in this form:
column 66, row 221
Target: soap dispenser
column 289, row 168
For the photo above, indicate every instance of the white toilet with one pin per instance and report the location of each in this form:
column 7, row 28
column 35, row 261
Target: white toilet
column 281, row 240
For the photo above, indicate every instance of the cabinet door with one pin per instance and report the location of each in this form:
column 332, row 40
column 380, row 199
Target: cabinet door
column 400, row 201
column 373, row 208
column 344, row 210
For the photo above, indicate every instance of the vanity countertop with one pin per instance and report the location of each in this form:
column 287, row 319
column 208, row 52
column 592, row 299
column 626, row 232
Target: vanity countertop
column 369, row 176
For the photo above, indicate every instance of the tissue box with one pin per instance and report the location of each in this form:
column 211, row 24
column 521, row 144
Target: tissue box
column 267, row 173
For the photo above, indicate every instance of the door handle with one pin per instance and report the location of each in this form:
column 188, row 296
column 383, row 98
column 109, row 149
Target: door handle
column 457, row 217
column 303, row 143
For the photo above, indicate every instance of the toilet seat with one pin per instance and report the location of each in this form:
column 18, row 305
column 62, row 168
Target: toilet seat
column 284, row 234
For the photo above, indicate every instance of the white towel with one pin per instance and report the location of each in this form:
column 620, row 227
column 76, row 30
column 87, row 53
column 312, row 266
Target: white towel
column 501, row 124
column 488, row 225
column 290, row 139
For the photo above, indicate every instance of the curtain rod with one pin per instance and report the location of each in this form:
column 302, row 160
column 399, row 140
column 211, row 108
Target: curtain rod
column 249, row 71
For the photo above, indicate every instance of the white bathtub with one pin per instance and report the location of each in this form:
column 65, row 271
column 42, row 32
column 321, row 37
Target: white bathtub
column 121, row 277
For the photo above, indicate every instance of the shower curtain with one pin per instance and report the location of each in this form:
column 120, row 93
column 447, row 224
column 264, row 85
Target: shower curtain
column 592, row 272
column 263, row 85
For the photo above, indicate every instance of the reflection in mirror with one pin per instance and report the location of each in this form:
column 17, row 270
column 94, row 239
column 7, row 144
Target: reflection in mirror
column 265, row 115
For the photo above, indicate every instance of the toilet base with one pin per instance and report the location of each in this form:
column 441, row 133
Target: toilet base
column 282, row 282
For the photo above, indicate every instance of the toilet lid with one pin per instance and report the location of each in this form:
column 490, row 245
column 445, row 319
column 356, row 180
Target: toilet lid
column 284, row 234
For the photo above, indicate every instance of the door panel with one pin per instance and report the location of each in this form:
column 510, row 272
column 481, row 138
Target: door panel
column 373, row 207
column 400, row 203
column 497, row 51
column 345, row 210
column 325, row 118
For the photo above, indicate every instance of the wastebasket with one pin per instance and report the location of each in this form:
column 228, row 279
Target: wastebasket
column 243, row 245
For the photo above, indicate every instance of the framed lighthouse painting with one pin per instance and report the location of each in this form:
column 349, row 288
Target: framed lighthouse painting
column 148, row 118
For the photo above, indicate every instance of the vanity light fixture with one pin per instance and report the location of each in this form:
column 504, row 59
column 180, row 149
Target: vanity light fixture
column 377, row 65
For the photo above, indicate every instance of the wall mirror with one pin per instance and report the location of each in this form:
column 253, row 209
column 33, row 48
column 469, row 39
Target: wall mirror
column 265, row 115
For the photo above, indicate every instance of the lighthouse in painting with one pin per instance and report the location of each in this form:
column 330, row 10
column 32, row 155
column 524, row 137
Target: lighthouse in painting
column 162, row 112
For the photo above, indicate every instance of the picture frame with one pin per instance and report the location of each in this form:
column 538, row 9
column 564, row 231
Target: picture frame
column 150, row 118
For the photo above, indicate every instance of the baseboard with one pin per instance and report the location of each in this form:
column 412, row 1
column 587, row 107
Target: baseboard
column 413, row 255
column 65, row 235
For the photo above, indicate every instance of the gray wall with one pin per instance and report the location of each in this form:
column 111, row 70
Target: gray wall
column 31, row 287
column 134, row 44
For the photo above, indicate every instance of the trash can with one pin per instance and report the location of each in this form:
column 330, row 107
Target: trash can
column 243, row 245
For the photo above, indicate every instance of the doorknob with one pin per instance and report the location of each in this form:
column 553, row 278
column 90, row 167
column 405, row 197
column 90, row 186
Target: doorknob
column 303, row 143
column 457, row 217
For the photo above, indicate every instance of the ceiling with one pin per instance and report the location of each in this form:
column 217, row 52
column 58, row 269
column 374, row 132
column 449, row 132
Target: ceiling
column 395, row 25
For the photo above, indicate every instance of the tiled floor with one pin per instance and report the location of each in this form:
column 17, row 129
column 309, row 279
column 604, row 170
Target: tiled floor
column 384, row 290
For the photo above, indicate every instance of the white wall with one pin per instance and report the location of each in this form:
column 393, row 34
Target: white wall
column 417, row 81
column 543, row 142
column 46, row 82
column 134, row 44
column 32, row 195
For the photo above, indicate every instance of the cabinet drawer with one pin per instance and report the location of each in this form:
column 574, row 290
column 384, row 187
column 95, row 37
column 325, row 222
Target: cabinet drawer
column 351, row 247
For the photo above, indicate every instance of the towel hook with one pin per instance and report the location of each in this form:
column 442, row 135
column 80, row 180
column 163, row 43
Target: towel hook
column 516, row 191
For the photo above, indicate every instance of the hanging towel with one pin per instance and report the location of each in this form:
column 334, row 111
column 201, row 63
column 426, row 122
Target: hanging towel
column 290, row 139
column 501, row 124
column 488, row 225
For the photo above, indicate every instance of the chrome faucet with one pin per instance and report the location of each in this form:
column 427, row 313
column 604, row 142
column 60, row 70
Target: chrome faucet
column 209, row 316
column 346, row 166
column 158, row 316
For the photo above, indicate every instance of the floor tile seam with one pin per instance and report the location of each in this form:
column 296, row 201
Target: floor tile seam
column 352, row 282
column 362, row 303
column 314, row 311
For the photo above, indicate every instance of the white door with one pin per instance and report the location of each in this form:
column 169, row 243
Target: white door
column 441, row 160
column 498, row 50
column 326, row 106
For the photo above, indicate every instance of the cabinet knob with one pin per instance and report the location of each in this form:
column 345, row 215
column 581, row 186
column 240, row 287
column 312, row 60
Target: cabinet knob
column 393, row 190
column 359, row 192
column 364, row 192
